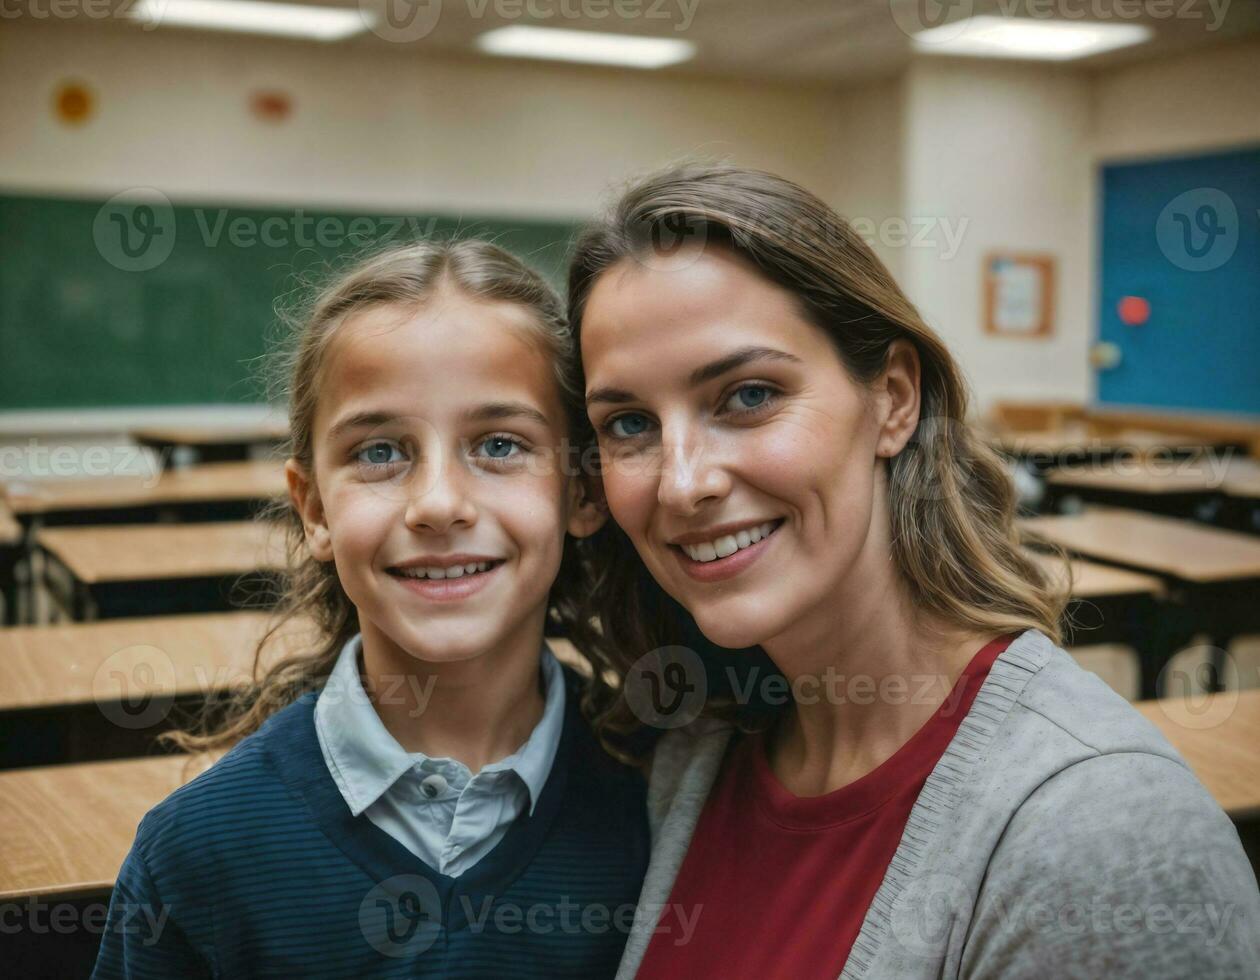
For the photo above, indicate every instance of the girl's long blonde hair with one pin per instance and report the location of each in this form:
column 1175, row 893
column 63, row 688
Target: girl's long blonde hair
column 950, row 499
column 309, row 590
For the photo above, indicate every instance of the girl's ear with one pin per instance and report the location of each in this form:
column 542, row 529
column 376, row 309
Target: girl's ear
column 587, row 507
column 306, row 500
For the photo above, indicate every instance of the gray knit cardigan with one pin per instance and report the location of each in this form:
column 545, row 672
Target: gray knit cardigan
column 1059, row 835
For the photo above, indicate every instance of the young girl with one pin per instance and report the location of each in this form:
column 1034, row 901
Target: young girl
column 944, row 792
column 419, row 796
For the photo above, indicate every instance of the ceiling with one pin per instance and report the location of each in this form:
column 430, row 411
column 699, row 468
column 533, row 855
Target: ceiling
column 804, row 41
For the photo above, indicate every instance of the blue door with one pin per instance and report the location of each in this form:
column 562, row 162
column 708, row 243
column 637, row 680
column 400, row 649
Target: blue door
column 1183, row 235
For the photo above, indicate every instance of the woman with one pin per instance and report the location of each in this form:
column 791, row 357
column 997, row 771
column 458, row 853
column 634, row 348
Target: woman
column 944, row 792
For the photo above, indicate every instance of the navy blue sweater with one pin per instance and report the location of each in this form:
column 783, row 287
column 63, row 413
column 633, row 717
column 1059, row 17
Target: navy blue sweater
column 257, row 868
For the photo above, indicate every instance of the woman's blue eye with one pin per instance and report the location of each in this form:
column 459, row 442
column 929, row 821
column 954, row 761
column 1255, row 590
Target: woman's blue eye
column 500, row 447
column 749, row 397
column 629, row 425
column 379, row 454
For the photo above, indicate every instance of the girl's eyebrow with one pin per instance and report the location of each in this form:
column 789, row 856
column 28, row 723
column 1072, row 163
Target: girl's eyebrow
column 494, row 411
column 489, row 412
column 707, row 372
column 360, row 420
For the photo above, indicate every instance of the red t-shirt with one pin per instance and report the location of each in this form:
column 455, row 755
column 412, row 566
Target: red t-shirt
column 777, row 885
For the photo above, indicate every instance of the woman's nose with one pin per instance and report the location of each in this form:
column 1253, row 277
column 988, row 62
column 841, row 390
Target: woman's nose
column 690, row 474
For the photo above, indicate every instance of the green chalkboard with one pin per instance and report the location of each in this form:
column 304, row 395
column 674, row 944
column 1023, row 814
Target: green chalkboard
column 141, row 301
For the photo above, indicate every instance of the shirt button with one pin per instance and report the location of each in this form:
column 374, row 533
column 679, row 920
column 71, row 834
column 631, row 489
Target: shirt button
column 433, row 786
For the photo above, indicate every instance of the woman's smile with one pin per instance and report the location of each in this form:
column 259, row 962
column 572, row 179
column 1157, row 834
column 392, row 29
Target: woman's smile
column 714, row 558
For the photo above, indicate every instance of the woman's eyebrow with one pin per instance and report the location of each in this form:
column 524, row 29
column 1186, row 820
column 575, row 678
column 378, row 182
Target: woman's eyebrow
column 707, row 372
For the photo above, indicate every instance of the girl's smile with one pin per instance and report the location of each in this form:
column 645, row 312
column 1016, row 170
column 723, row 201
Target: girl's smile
column 446, row 578
column 438, row 492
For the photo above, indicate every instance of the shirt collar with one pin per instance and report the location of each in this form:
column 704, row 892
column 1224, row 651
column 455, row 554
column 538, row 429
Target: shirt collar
column 365, row 760
column 532, row 761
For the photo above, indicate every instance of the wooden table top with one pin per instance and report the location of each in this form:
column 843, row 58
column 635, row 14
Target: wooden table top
column 1091, row 580
column 166, row 656
column 1182, row 549
column 68, row 828
column 1238, row 477
column 273, row 430
column 249, row 480
column 1078, row 439
column 1219, row 736
column 135, row 552
column 10, row 529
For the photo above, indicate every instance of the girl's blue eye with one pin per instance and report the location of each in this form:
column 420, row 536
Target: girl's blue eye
column 379, row 454
column 629, row 425
column 749, row 397
column 500, row 447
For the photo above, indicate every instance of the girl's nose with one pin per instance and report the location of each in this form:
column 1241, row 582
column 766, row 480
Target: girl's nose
column 440, row 498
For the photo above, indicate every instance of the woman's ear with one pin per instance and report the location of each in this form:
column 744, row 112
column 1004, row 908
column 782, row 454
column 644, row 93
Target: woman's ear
column 588, row 508
column 898, row 391
column 306, row 500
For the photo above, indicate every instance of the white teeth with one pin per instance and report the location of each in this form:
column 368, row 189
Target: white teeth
column 454, row 571
column 728, row 544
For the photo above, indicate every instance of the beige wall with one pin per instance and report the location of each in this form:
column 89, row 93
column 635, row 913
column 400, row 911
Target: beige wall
column 1197, row 101
column 1002, row 151
column 866, row 153
column 373, row 128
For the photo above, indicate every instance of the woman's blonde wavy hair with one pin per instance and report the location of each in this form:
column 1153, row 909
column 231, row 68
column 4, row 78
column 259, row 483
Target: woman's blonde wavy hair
column 309, row 590
column 950, row 499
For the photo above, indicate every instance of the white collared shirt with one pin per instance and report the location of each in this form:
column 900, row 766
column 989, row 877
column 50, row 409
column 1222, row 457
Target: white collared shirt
column 437, row 808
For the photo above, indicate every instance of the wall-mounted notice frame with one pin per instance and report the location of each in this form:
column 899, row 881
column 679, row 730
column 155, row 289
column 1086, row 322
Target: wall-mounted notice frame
column 1018, row 294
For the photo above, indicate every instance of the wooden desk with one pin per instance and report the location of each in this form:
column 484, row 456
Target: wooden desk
column 1079, row 441
column 211, row 482
column 150, row 569
column 1213, row 576
column 1238, row 476
column 216, row 443
column 164, row 656
column 68, row 828
column 10, row 555
column 147, row 552
column 1214, row 427
column 1091, row 580
column 10, row 529
column 1219, row 736
column 1179, row 549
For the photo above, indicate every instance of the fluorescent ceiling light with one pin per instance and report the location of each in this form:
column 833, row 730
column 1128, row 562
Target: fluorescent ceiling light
column 587, row 47
column 1017, row 37
column 253, row 17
